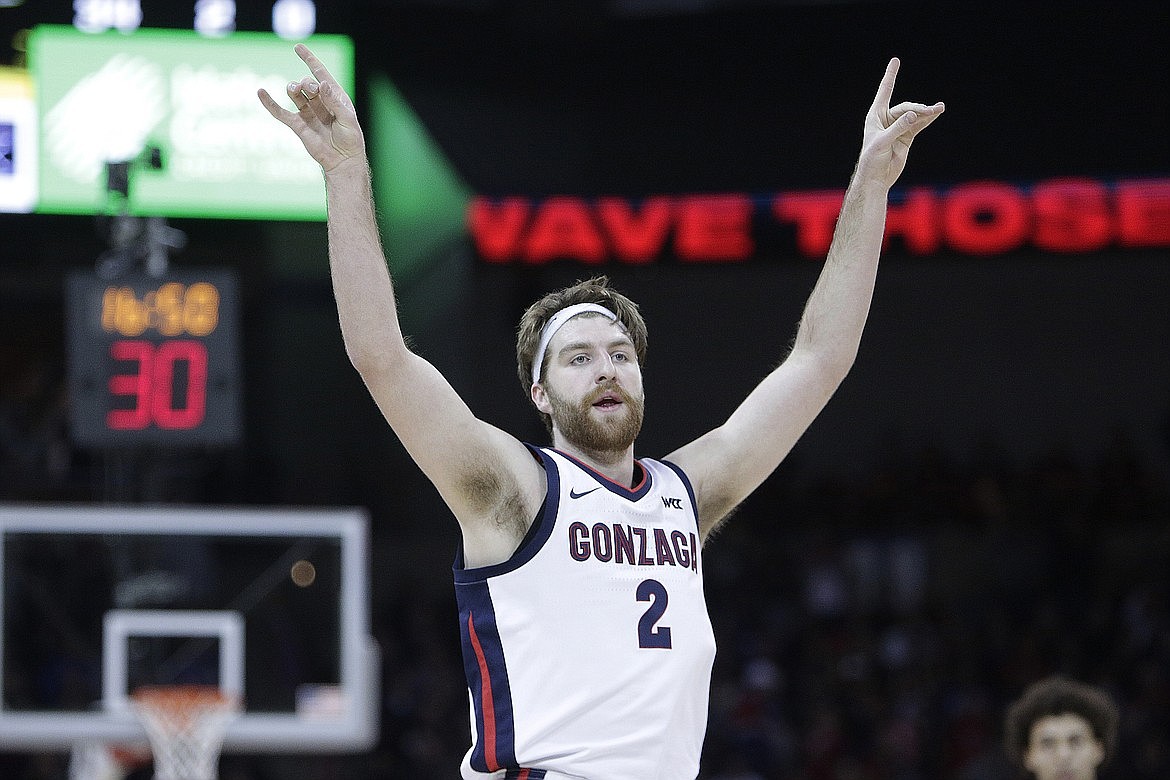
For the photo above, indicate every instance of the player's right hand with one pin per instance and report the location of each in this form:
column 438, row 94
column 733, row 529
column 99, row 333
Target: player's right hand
column 325, row 119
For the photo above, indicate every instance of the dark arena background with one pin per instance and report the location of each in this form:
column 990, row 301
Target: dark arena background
column 985, row 501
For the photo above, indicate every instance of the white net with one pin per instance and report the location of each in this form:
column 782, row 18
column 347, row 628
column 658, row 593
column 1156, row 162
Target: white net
column 94, row 761
column 186, row 725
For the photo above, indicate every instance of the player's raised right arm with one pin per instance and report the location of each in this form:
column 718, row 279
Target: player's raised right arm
column 327, row 124
column 458, row 452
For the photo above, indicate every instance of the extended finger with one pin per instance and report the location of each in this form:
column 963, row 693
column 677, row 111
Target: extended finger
column 316, row 67
column 278, row 111
column 882, row 99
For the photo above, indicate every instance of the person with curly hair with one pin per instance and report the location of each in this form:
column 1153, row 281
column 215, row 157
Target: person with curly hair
column 1061, row 729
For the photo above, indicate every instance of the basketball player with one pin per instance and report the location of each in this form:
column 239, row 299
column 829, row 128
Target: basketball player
column 1060, row 729
column 587, row 644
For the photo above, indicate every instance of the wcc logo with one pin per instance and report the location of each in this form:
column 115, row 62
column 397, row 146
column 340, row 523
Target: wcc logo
column 672, row 503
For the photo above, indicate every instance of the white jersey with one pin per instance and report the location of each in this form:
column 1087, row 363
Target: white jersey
column 588, row 653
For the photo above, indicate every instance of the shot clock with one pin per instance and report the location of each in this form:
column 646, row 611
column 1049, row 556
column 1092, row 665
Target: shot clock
column 154, row 361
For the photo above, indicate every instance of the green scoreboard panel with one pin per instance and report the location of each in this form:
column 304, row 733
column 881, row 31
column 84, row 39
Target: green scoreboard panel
column 181, row 109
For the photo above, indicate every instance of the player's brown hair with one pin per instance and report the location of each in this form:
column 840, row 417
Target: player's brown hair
column 593, row 290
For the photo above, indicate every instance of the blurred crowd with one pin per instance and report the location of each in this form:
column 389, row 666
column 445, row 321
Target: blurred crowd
column 871, row 626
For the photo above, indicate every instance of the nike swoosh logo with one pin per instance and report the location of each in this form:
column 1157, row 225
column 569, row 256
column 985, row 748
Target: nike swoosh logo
column 574, row 494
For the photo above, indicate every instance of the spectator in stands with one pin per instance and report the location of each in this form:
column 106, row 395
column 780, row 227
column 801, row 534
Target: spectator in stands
column 1061, row 729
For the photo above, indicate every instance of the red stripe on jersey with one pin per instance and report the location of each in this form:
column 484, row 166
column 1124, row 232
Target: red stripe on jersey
column 485, row 693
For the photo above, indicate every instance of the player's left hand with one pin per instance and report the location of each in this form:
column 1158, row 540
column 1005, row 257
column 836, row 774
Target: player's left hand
column 889, row 131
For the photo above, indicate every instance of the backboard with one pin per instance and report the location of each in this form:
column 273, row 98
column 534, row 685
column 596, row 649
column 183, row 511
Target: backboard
column 269, row 604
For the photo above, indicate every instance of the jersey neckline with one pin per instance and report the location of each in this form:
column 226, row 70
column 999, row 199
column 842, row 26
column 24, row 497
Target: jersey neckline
column 641, row 488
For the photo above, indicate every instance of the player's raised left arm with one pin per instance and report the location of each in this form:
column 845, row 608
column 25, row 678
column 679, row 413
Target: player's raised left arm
column 731, row 461
column 834, row 316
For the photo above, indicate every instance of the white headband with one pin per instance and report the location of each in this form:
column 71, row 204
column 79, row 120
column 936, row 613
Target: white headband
column 554, row 324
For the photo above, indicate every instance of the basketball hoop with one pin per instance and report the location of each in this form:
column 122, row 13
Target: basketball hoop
column 95, row 760
column 186, row 725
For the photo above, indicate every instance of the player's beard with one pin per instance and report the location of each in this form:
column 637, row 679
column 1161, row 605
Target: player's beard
column 611, row 434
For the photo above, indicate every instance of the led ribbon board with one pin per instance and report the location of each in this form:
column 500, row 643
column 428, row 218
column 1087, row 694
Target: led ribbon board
column 112, row 97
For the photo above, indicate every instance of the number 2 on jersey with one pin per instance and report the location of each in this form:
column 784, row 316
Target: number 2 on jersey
column 650, row 634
